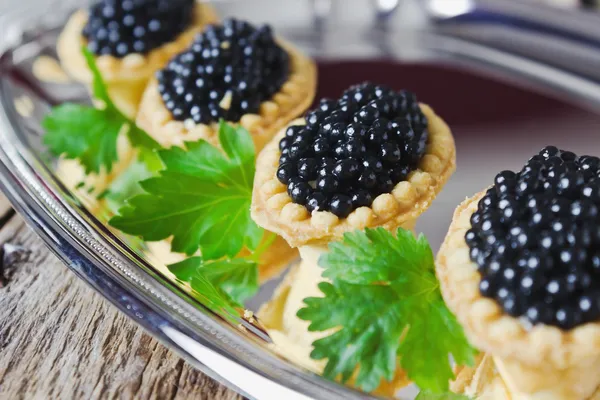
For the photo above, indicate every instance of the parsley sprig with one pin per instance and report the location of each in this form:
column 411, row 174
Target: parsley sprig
column 237, row 277
column 215, row 298
column 385, row 299
column 88, row 133
column 202, row 198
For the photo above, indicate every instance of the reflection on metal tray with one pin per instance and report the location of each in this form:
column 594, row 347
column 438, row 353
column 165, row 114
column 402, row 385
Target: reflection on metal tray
column 508, row 76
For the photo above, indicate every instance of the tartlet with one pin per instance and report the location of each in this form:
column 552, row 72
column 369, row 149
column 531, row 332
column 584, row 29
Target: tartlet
column 293, row 98
column 273, row 208
column 276, row 105
column 484, row 381
column 396, row 203
column 127, row 76
column 545, row 354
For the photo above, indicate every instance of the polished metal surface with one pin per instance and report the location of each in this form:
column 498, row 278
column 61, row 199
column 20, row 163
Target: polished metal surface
column 509, row 76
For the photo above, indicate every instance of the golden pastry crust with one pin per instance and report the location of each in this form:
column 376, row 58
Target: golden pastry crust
column 132, row 67
column 481, row 381
column 272, row 208
column 484, row 381
column 536, row 357
column 489, row 328
column 293, row 98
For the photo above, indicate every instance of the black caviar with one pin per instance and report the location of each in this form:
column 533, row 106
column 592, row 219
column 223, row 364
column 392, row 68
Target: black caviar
column 121, row 27
column 536, row 239
column 226, row 73
column 353, row 149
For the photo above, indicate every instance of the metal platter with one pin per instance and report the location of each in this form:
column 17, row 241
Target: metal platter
column 508, row 76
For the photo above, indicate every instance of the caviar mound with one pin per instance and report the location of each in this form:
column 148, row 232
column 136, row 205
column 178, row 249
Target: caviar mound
column 353, row 149
column 536, row 238
column 229, row 70
column 273, row 207
column 118, row 28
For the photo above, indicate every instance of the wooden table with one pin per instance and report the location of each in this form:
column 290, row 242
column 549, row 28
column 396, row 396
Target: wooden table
column 60, row 339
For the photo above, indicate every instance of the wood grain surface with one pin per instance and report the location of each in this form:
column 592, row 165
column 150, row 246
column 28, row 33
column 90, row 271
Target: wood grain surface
column 61, row 340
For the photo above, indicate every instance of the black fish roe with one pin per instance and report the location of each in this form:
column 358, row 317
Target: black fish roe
column 226, row 73
column 536, row 240
column 353, row 149
column 121, row 27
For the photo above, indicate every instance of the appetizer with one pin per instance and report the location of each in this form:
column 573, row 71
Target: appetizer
column 231, row 72
column 520, row 267
column 373, row 158
column 344, row 184
column 237, row 73
column 130, row 40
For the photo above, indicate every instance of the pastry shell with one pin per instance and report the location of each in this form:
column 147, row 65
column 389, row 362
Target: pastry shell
column 484, row 381
column 293, row 98
column 481, row 381
column 272, row 208
column 125, row 77
column 537, row 358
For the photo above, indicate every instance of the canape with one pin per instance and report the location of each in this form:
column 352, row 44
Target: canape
column 238, row 73
column 520, row 268
column 373, row 158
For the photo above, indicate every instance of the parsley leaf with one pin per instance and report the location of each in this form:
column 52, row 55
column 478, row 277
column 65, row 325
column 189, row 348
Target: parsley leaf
column 385, row 299
column 441, row 396
column 202, row 198
column 90, row 134
column 215, row 298
column 237, row 277
column 85, row 133
column 125, row 186
column 370, row 335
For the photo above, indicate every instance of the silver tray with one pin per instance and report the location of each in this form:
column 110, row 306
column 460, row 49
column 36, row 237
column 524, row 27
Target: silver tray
column 509, row 76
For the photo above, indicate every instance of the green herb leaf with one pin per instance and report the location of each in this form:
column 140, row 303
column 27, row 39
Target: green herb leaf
column 441, row 396
column 126, row 186
column 237, row 277
column 85, row 133
column 370, row 335
column 385, row 300
column 201, row 198
column 99, row 88
column 215, row 298
column 90, row 134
